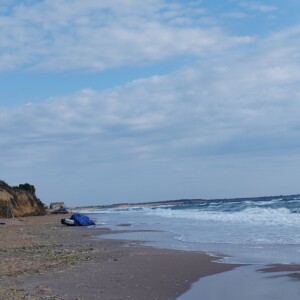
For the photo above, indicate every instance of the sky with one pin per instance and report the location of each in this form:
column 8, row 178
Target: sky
column 115, row 101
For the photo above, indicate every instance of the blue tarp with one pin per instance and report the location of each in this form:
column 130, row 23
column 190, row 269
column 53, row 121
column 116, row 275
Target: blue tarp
column 82, row 220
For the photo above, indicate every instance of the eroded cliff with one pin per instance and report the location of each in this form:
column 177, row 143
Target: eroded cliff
column 19, row 201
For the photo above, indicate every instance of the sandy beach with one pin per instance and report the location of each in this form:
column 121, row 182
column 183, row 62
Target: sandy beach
column 43, row 259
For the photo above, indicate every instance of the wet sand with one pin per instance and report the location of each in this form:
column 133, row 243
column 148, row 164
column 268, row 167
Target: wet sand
column 290, row 270
column 42, row 259
column 245, row 283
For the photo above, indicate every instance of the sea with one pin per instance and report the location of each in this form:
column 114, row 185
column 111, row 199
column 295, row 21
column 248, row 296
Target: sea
column 252, row 233
column 257, row 231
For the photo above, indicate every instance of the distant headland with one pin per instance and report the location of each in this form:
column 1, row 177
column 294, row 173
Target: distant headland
column 180, row 202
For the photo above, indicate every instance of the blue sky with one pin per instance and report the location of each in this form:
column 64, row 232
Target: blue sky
column 150, row 100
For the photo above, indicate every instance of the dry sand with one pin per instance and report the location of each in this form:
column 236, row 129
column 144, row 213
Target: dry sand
column 42, row 259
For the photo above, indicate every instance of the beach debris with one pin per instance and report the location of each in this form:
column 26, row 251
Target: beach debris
column 56, row 205
column 58, row 208
column 44, row 290
column 61, row 210
column 78, row 220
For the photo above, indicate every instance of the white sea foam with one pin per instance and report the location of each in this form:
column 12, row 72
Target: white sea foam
column 220, row 226
column 254, row 216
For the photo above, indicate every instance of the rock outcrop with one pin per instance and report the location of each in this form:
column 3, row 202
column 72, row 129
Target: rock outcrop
column 19, row 201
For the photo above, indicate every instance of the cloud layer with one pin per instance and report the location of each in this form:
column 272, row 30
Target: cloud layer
column 231, row 112
column 96, row 35
column 251, row 98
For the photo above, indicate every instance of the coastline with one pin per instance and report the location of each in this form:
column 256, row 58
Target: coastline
column 42, row 258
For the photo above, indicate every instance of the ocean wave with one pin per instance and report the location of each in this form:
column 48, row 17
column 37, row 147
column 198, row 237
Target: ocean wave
column 255, row 215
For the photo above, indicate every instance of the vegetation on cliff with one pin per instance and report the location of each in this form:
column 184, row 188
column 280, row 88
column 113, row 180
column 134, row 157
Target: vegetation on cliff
column 19, row 201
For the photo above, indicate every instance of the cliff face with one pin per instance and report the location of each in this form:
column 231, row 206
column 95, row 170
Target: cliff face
column 19, row 201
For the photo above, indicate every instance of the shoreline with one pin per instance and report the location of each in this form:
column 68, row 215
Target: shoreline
column 42, row 258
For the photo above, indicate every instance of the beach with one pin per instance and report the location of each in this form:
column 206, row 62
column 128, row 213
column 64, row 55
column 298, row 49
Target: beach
column 43, row 259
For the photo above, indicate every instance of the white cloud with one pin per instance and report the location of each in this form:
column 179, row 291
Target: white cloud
column 258, row 6
column 247, row 103
column 232, row 108
column 97, row 35
column 235, row 15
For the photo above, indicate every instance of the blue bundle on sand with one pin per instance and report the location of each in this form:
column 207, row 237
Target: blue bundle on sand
column 78, row 220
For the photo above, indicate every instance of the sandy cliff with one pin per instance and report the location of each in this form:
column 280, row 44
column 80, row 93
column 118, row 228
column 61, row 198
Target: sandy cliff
column 19, row 201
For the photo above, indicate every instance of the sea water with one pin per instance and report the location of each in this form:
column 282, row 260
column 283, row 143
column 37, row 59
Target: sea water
column 244, row 283
column 258, row 230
